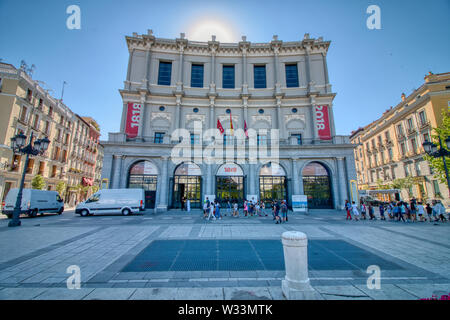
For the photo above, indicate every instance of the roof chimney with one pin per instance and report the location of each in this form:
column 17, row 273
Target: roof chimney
column 403, row 96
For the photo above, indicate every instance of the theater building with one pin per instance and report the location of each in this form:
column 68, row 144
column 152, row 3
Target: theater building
column 273, row 96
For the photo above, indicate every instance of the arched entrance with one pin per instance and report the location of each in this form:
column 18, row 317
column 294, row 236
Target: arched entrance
column 272, row 182
column 187, row 184
column 144, row 175
column 317, row 186
column 230, row 184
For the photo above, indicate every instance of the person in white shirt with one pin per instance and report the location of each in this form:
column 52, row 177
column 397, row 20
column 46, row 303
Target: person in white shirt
column 440, row 211
column 355, row 210
column 421, row 212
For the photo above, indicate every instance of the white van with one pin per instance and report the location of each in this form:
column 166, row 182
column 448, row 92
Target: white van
column 124, row 201
column 33, row 202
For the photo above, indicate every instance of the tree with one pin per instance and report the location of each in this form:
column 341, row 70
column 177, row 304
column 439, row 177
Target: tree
column 442, row 131
column 38, row 182
column 61, row 188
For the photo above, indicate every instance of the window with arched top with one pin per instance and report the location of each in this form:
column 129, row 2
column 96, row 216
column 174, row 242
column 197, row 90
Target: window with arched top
column 317, row 186
column 144, row 175
column 272, row 182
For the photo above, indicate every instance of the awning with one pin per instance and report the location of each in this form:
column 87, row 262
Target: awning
column 386, row 191
column 87, row 181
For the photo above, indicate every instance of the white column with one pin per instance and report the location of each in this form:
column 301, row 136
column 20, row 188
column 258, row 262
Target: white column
column 163, row 200
column 296, row 284
column 341, row 182
column 117, row 165
column 130, row 62
column 295, row 180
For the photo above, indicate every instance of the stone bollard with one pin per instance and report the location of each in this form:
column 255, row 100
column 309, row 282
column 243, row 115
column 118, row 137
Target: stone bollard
column 296, row 284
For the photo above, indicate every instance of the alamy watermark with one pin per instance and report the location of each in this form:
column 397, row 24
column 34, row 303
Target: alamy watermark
column 374, row 20
column 74, row 281
column 374, row 280
column 74, row 20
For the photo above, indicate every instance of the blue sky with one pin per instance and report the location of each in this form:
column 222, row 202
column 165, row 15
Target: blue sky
column 369, row 69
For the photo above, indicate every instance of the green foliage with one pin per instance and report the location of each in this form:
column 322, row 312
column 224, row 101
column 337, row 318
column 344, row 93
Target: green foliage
column 94, row 189
column 61, row 188
column 381, row 186
column 38, row 182
column 437, row 163
column 404, row 183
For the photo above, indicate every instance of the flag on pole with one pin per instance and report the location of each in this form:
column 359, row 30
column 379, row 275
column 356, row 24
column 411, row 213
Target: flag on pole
column 245, row 129
column 219, row 126
column 231, row 124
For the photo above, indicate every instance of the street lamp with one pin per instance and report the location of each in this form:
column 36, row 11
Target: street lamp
column 32, row 149
column 432, row 150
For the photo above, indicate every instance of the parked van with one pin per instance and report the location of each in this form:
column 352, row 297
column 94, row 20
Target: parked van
column 33, row 202
column 124, row 201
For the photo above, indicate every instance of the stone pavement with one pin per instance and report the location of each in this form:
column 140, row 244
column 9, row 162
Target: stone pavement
column 34, row 258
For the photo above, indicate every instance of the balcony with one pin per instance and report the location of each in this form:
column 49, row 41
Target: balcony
column 387, row 142
column 400, row 136
column 424, row 125
column 411, row 131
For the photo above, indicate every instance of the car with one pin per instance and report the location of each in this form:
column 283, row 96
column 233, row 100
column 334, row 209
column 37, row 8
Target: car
column 124, row 201
column 33, row 202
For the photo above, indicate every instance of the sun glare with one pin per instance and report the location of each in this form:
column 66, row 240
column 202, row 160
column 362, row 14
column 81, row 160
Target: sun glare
column 204, row 29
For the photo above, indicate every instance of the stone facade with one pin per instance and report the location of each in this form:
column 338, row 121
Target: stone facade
column 390, row 148
column 178, row 104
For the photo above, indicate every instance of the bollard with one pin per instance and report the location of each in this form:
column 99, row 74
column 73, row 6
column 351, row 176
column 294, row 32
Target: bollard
column 296, row 284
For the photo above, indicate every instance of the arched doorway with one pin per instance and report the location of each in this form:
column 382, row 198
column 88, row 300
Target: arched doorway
column 230, row 184
column 272, row 182
column 144, row 175
column 317, row 186
column 187, row 184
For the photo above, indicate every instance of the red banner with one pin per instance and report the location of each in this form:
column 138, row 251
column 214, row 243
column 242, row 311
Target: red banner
column 323, row 123
column 133, row 116
column 219, row 126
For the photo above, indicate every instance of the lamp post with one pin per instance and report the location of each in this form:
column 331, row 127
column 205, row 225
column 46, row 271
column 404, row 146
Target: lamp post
column 32, row 149
column 432, row 150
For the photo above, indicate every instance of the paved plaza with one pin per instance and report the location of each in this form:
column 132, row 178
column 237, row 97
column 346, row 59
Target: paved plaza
column 178, row 255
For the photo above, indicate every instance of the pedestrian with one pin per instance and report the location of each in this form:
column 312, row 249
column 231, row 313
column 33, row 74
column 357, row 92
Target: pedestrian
column 182, row 203
column 355, row 211
column 284, row 210
column 363, row 211
column 371, row 212
column 236, row 210
column 257, row 208
column 245, row 208
column 381, row 208
column 205, row 208
column 188, row 205
column 413, row 210
column 389, row 210
column 348, row 208
column 277, row 212
column 228, row 208
column 211, row 211
column 263, row 208
column 402, row 211
column 440, row 211
column 421, row 212
column 429, row 210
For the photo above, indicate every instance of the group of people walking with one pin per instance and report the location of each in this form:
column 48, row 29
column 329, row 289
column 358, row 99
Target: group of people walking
column 278, row 209
column 398, row 211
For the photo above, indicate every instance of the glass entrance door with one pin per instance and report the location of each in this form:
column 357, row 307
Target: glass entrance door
column 148, row 183
column 272, row 188
column 230, row 188
column 187, row 187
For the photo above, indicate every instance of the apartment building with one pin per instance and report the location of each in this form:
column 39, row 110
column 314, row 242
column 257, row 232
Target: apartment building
column 391, row 147
column 26, row 107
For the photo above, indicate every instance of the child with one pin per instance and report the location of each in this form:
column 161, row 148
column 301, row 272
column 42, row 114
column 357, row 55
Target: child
column 355, row 211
